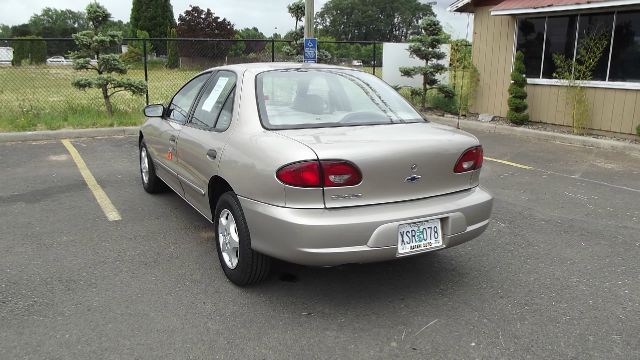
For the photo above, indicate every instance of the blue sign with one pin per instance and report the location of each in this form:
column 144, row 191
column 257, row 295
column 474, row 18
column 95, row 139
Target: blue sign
column 311, row 50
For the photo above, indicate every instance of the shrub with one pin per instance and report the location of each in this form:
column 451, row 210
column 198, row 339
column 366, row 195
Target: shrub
column 517, row 94
column 638, row 130
column 29, row 51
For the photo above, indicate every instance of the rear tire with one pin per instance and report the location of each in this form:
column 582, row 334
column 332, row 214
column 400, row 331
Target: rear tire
column 150, row 181
column 241, row 264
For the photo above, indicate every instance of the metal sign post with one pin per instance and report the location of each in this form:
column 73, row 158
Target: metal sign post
column 310, row 50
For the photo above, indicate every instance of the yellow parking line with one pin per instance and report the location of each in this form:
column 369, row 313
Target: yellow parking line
column 101, row 197
column 509, row 163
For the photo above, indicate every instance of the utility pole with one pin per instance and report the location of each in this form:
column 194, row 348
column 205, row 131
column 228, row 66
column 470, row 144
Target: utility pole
column 308, row 19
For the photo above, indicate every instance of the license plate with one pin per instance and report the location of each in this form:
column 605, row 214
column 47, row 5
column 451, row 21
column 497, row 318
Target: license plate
column 419, row 236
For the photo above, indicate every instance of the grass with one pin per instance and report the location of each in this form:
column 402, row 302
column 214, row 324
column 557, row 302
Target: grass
column 42, row 98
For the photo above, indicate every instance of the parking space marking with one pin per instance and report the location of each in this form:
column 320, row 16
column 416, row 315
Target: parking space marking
column 101, row 197
column 577, row 177
column 509, row 163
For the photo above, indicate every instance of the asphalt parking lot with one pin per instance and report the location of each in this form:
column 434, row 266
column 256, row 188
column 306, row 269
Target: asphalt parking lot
column 555, row 276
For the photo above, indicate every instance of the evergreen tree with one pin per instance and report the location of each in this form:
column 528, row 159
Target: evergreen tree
column 96, row 43
column 426, row 47
column 173, row 59
column 517, row 101
column 154, row 17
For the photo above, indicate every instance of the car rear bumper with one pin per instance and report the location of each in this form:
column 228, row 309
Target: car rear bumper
column 325, row 237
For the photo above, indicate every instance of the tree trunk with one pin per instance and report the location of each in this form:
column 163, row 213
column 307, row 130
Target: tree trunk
column 424, row 92
column 107, row 100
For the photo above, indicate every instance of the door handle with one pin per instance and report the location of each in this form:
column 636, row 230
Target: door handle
column 212, row 154
column 172, row 139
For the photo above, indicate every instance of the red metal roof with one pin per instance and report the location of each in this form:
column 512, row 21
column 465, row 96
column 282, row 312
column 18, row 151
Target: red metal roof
column 536, row 4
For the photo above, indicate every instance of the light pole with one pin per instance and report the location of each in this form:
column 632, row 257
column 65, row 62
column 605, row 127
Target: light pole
column 308, row 19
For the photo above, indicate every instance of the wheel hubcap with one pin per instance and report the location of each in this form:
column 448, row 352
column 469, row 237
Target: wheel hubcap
column 144, row 165
column 228, row 239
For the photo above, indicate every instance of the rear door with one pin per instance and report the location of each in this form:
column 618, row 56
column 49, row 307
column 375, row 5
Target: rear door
column 163, row 136
column 203, row 138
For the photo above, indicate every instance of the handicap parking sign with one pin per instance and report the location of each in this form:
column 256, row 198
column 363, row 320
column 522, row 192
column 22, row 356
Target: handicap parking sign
column 310, row 50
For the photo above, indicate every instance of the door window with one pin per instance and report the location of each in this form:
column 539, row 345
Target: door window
column 213, row 102
column 181, row 103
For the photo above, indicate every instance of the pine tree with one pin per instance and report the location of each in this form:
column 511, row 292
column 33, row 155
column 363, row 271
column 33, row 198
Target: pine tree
column 173, row 59
column 426, row 47
column 517, row 101
column 95, row 43
column 154, row 17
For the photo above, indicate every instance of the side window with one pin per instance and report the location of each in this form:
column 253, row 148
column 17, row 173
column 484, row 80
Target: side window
column 213, row 100
column 178, row 109
column 224, row 120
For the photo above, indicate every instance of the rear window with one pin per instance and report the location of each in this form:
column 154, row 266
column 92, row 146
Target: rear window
column 305, row 98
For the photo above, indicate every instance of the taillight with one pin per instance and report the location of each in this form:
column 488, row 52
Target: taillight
column 313, row 174
column 470, row 160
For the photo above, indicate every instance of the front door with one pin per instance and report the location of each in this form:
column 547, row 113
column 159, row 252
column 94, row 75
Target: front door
column 202, row 139
column 164, row 144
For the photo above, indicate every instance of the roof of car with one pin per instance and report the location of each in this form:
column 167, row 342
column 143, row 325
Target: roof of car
column 260, row 67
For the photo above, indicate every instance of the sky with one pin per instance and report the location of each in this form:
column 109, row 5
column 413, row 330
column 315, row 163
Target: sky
column 268, row 16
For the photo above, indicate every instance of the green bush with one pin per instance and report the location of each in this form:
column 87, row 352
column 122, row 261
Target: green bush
column 517, row 94
column 32, row 52
column 638, row 130
column 173, row 59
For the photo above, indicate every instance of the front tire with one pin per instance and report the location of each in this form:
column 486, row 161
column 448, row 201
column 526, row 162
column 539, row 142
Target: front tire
column 150, row 181
column 240, row 263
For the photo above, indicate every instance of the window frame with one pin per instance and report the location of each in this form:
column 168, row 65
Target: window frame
column 232, row 93
column 189, row 111
column 628, row 85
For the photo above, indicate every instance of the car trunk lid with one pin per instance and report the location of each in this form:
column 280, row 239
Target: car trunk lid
column 398, row 161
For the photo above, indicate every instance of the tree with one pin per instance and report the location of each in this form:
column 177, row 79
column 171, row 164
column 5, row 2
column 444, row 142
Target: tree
column 96, row 43
column 33, row 51
column 296, row 10
column 136, row 48
column 154, row 17
column 517, row 101
column 590, row 49
column 54, row 23
column 426, row 47
column 198, row 23
column 373, row 20
column 21, row 30
column 5, row 31
column 173, row 59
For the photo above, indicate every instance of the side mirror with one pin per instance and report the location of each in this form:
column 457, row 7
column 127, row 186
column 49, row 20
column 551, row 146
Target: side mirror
column 155, row 110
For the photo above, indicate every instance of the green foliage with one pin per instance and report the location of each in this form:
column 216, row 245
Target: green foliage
column 426, row 47
column 33, row 51
column 135, row 49
column 296, row 10
column 173, row 59
column 374, row 20
column 56, row 23
column 638, row 130
column 590, row 49
column 95, row 44
column 517, row 94
column 5, row 31
column 154, row 17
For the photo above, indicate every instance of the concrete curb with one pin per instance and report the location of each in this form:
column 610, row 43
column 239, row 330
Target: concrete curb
column 67, row 134
column 538, row 134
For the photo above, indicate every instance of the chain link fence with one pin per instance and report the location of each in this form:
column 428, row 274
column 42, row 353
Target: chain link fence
column 36, row 89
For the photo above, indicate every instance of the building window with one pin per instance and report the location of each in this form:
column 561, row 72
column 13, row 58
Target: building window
column 540, row 38
column 530, row 40
column 561, row 39
column 597, row 24
column 625, row 56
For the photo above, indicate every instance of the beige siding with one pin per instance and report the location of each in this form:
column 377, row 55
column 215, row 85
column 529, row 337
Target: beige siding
column 614, row 110
column 492, row 55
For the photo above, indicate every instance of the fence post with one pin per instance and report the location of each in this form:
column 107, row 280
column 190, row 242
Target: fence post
column 273, row 49
column 374, row 58
column 144, row 62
